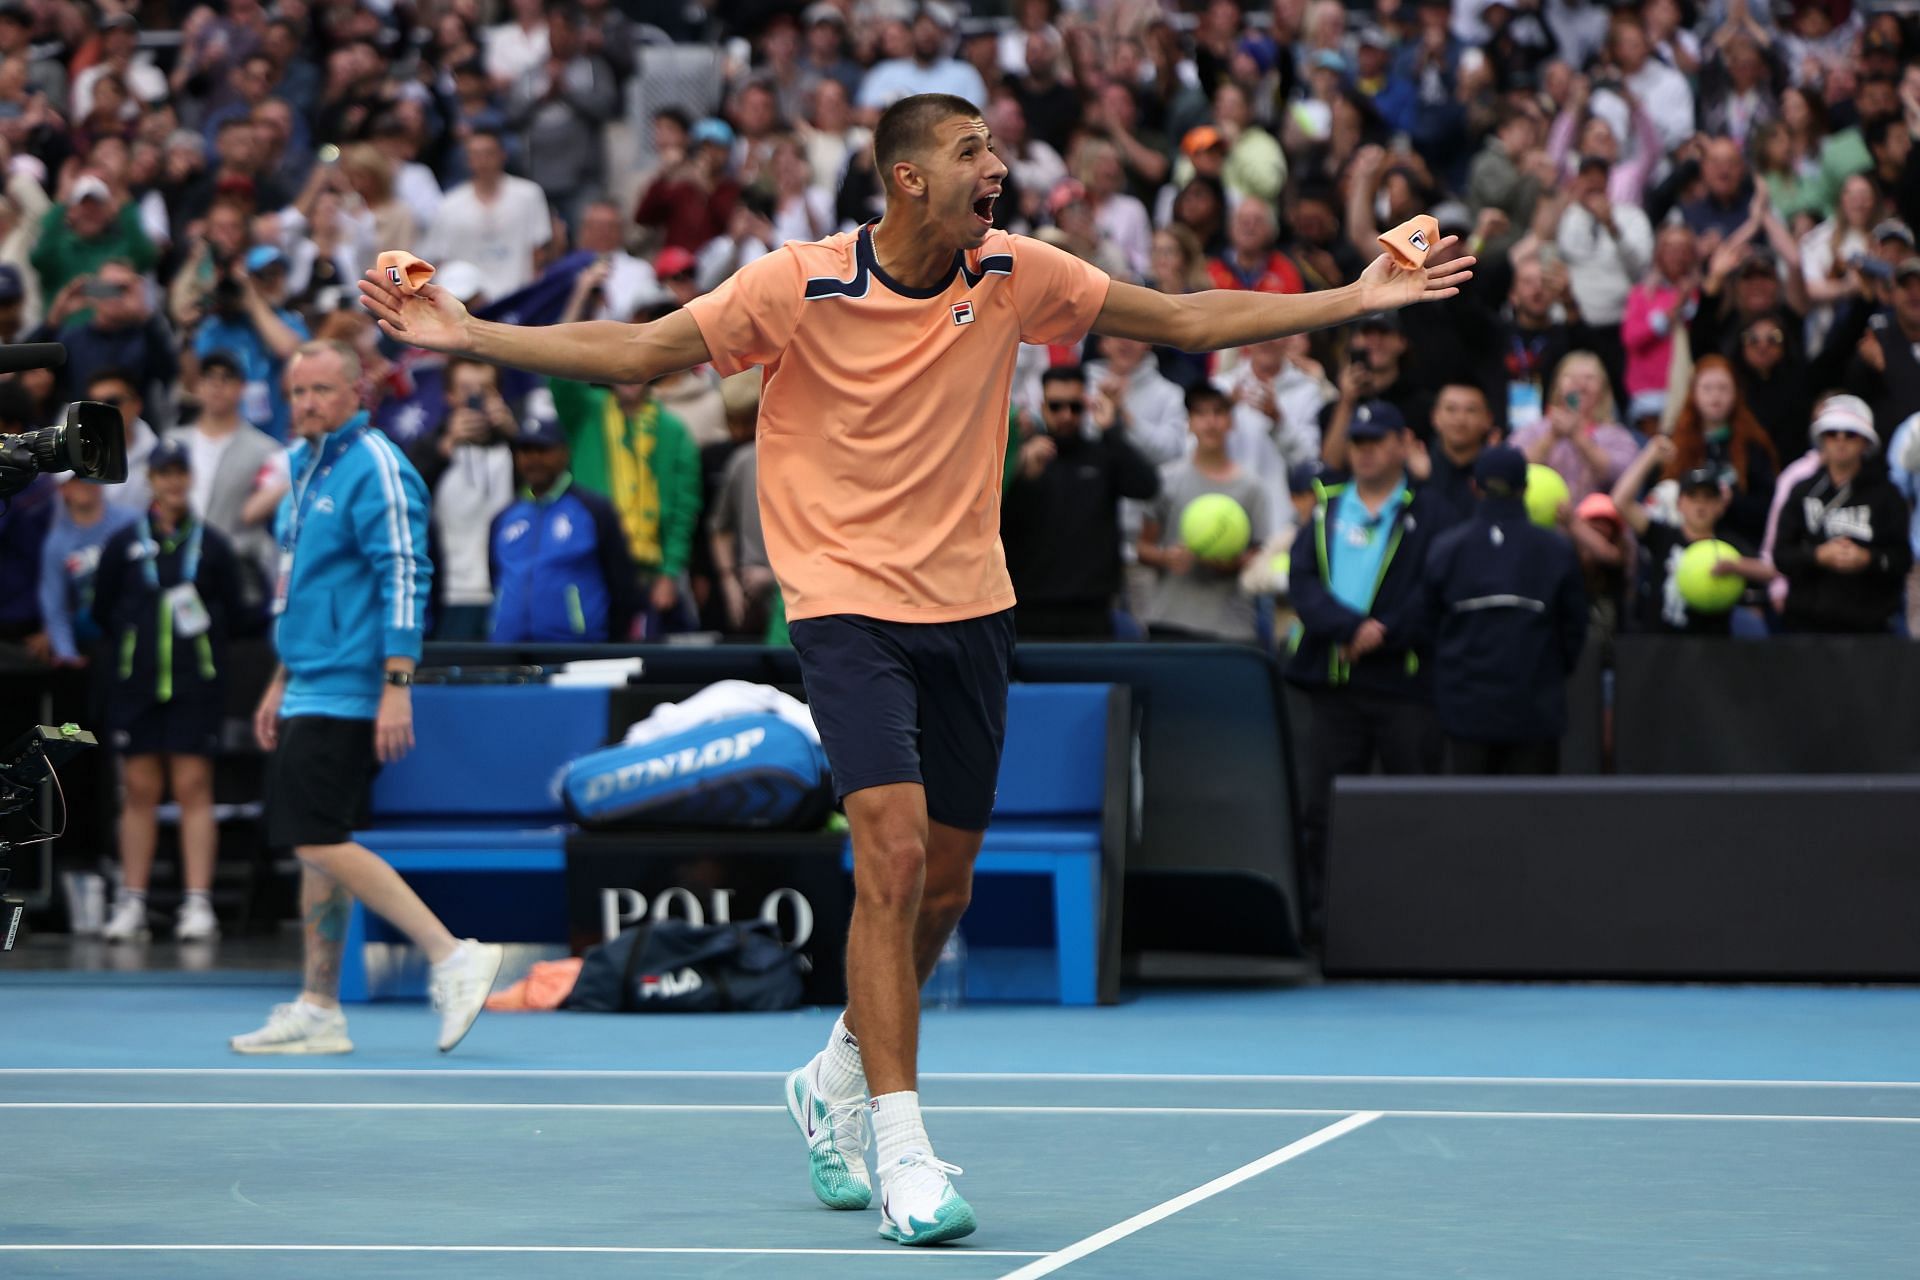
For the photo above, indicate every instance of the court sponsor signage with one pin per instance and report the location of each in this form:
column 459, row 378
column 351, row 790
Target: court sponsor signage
column 796, row 882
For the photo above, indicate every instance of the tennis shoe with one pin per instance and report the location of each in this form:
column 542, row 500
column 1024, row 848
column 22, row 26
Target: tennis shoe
column 918, row 1204
column 837, row 1139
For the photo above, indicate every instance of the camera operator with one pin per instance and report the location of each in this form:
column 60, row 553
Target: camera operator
column 244, row 311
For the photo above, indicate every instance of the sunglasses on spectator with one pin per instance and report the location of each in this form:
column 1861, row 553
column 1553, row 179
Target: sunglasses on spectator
column 1770, row 337
column 1065, row 406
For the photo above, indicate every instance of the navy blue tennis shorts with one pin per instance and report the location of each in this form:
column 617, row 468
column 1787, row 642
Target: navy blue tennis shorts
column 918, row 702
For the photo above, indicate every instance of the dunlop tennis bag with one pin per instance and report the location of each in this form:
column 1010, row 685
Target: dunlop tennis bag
column 753, row 771
column 671, row 966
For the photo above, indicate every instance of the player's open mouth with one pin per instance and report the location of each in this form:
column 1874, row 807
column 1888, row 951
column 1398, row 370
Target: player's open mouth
column 983, row 208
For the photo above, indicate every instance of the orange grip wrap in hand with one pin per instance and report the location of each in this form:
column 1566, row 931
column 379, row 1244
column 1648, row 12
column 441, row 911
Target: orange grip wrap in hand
column 1412, row 240
column 405, row 270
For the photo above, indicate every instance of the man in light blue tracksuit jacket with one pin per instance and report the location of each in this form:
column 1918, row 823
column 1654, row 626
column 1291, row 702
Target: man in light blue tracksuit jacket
column 350, row 600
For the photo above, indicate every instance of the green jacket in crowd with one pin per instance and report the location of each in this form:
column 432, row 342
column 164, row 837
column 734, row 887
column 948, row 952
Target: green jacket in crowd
column 645, row 464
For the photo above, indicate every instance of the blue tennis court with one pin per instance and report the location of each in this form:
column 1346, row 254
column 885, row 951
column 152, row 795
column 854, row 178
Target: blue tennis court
column 1376, row 1131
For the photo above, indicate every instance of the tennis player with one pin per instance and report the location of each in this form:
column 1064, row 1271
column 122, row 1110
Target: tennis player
column 889, row 358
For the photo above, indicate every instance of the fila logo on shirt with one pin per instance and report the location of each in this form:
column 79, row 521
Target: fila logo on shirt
column 963, row 313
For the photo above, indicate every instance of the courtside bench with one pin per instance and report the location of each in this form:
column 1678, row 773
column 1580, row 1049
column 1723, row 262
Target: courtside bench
column 473, row 821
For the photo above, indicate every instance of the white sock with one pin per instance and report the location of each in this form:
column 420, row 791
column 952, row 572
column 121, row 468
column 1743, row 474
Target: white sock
column 837, row 1072
column 455, row 956
column 134, row 895
column 897, row 1128
column 205, row 896
column 312, row 1010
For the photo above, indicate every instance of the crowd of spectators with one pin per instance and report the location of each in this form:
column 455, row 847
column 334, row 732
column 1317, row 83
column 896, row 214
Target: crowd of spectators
column 1695, row 226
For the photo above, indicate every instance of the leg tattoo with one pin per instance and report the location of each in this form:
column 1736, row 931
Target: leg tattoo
column 327, row 904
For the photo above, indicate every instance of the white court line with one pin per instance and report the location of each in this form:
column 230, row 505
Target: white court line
column 1120, row 1230
column 1067, row 1076
column 509, row 1248
column 740, row 1107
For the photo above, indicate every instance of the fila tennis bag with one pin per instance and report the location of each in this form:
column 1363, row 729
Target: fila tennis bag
column 671, row 966
column 752, row 771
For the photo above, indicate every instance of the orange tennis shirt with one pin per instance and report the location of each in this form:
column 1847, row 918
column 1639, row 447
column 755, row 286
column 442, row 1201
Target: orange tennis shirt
column 883, row 416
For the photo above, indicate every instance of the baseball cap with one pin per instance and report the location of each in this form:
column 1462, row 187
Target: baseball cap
column 263, row 257
column 222, row 359
column 119, row 22
column 1375, row 420
column 821, row 11
column 1907, row 267
column 1598, row 506
column 943, row 15
column 1377, row 321
column 169, row 453
column 1701, row 478
column 12, row 287
column 1199, row 138
column 1329, row 60
column 1759, row 263
column 1376, row 38
column 713, row 130
column 1065, row 192
column 1501, row 469
column 1894, row 229
column 672, row 261
column 1847, row 415
column 1302, row 476
column 540, row 431
column 90, row 186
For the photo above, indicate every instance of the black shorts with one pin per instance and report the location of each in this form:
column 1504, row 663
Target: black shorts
column 182, row 726
column 319, row 781
column 918, row 702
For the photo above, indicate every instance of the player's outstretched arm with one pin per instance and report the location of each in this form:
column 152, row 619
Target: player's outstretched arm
column 587, row 351
column 1221, row 318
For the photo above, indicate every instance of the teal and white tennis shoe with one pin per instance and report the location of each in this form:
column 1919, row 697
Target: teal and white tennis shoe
column 918, row 1204
column 837, row 1138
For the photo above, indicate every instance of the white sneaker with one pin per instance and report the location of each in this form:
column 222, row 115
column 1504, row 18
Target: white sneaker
column 297, row 1028
column 460, row 985
column 128, row 922
column 197, row 923
column 918, row 1205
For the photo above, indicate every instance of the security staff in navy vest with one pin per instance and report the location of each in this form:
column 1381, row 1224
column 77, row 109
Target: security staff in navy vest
column 1509, row 617
column 1359, row 648
column 561, row 568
